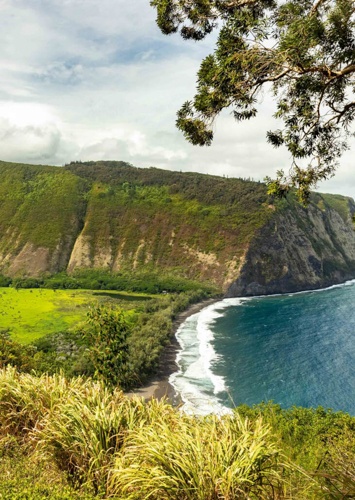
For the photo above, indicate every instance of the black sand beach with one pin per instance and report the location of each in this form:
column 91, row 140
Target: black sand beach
column 159, row 386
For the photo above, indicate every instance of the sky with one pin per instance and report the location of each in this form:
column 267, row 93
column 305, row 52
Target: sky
column 97, row 80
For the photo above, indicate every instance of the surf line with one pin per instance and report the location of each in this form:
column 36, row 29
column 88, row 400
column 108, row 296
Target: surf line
column 195, row 381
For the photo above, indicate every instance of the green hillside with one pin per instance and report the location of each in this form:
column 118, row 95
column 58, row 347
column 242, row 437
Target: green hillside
column 40, row 204
column 114, row 217
column 112, row 226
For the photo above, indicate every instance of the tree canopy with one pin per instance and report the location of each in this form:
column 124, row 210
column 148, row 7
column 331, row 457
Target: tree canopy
column 303, row 51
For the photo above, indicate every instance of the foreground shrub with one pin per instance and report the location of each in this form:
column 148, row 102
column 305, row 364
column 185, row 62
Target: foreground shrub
column 16, row 354
column 336, row 472
column 183, row 458
column 127, row 449
column 93, row 433
column 26, row 399
column 27, row 476
column 107, row 339
column 86, row 431
column 307, row 435
column 79, row 424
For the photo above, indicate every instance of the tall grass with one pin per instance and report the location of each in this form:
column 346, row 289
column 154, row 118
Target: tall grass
column 78, row 423
column 182, row 458
column 127, row 449
column 25, row 399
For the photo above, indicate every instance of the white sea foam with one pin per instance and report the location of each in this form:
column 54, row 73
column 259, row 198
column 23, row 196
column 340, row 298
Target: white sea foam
column 195, row 381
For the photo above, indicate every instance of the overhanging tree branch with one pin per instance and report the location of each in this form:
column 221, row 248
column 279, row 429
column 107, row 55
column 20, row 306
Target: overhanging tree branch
column 310, row 69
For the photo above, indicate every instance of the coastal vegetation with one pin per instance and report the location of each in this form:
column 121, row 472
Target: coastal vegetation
column 65, row 436
column 97, row 443
column 117, row 337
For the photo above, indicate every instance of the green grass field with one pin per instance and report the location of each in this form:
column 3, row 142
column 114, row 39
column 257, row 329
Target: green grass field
column 29, row 314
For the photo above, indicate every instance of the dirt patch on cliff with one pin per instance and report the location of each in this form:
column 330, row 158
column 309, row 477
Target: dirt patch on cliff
column 80, row 256
column 30, row 261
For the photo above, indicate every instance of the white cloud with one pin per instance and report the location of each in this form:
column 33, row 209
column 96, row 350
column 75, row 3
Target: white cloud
column 30, row 132
column 83, row 79
column 130, row 146
column 26, row 114
column 28, row 143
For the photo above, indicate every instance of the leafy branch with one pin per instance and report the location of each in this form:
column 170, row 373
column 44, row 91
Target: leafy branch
column 302, row 51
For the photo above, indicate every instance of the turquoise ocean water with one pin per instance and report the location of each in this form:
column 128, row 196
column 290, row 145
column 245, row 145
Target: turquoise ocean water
column 296, row 349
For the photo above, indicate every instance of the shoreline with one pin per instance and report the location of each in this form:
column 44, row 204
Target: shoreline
column 159, row 387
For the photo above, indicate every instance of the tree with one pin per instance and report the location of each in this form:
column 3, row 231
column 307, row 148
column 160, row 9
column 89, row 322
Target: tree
column 108, row 345
column 303, row 51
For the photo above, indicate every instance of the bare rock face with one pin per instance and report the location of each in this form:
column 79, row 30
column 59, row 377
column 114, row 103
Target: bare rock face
column 24, row 258
column 30, row 261
column 299, row 249
column 222, row 232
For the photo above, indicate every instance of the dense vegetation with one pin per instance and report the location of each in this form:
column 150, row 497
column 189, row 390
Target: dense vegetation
column 111, row 225
column 98, row 443
column 120, row 342
column 73, row 438
column 39, row 204
column 98, row 279
column 207, row 189
column 123, row 219
column 28, row 314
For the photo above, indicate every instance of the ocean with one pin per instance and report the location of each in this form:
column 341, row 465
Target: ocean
column 293, row 349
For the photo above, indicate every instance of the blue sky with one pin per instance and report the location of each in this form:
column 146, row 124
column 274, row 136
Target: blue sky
column 88, row 80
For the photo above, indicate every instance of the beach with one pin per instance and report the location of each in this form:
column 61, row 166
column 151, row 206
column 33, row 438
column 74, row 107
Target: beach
column 159, row 387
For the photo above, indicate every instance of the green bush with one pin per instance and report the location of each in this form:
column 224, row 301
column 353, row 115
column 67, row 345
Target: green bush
column 183, row 458
column 15, row 354
column 27, row 283
column 150, row 282
column 106, row 336
column 110, row 443
column 126, row 449
column 5, row 281
column 304, row 432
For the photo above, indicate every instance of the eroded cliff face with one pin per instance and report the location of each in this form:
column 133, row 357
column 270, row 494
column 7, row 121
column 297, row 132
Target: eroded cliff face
column 24, row 258
column 160, row 244
column 299, row 249
column 217, row 231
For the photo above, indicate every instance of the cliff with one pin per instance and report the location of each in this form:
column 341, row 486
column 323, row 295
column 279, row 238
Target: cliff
column 300, row 249
column 224, row 232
